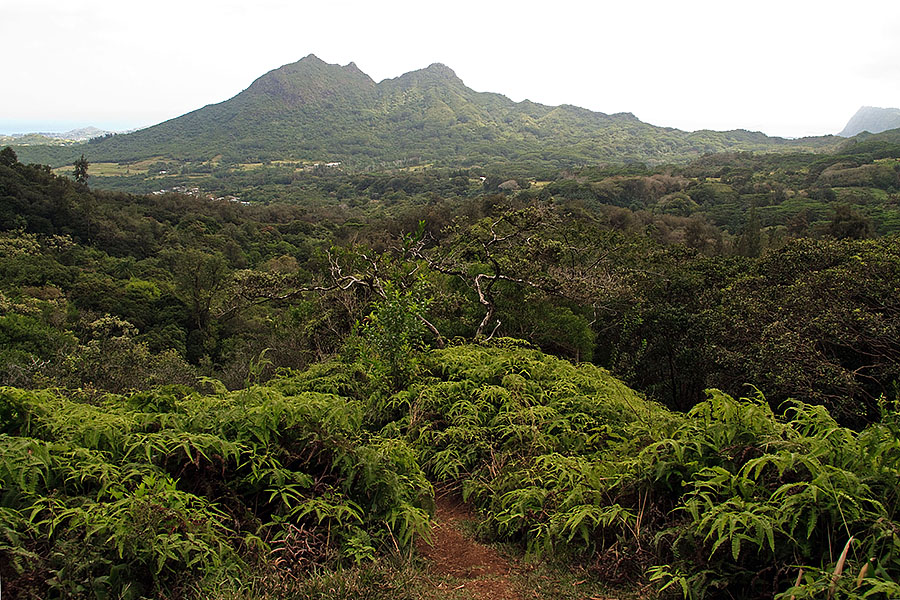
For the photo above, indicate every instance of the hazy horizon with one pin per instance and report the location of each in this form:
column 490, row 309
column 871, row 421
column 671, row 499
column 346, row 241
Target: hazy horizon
column 38, row 127
column 786, row 69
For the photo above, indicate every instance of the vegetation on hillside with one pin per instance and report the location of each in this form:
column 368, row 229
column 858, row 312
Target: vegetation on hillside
column 173, row 492
column 119, row 291
column 206, row 397
column 317, row 112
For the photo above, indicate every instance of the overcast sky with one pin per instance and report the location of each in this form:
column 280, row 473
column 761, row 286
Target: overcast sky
column 786, row 67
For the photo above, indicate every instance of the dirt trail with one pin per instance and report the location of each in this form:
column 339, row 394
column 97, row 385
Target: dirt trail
column 477, row 569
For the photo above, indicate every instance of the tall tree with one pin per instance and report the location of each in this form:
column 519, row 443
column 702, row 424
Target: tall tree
column 81, row 170
column 8, row 157
column 847, row 223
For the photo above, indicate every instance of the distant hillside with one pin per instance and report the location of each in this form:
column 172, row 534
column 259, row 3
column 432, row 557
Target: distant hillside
column 34, row 139
column 884, row 144
column 873, row 120
column 315, row 111
column 81, row 134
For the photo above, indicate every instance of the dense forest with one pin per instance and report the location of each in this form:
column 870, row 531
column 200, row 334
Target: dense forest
column 682, row 378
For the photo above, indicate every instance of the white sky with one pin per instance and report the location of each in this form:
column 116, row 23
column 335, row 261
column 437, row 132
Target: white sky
column 786, row 67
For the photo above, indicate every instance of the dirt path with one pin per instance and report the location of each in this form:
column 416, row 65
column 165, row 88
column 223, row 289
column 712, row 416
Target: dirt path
column 468, row 569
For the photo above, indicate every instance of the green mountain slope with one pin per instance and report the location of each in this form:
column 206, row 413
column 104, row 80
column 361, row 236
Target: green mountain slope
column 315, row 111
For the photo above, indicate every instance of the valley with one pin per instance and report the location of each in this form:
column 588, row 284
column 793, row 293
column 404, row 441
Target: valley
column 347, row 339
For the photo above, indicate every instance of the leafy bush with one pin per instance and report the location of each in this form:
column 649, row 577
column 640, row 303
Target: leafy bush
column 160, row 492
column 728, row 497
column 148, row 493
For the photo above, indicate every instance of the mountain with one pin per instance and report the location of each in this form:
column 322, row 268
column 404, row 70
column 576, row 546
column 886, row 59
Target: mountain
column 33, row 139
column 68, row 138
column 315, row 111
column 73, row 135
column 873, row 120
column 81, row 134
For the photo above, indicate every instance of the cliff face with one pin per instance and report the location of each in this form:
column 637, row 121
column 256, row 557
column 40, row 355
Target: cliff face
column 873, row 120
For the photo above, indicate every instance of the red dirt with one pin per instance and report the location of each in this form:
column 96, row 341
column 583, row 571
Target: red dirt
column 483, row 571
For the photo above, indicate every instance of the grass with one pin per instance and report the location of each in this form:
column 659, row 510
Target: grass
column 384, row 580
column 111, row 169
column 414, row 168
column 291, row 163
column 551, row 581
column 377, row 581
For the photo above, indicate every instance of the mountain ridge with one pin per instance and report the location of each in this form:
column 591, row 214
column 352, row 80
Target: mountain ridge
column 313, row 110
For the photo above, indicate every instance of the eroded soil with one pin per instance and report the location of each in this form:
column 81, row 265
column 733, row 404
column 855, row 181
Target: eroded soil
column 462, row 564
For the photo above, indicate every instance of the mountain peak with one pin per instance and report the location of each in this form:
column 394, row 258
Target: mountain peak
column 441, row 70
column 352, row 68
column 435, row 75
column 873, row 120
column 310, row 80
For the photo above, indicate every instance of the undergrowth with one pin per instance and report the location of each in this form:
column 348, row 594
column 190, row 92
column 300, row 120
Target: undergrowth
column 728, row 499
column 146, row 494
column 174, row 493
